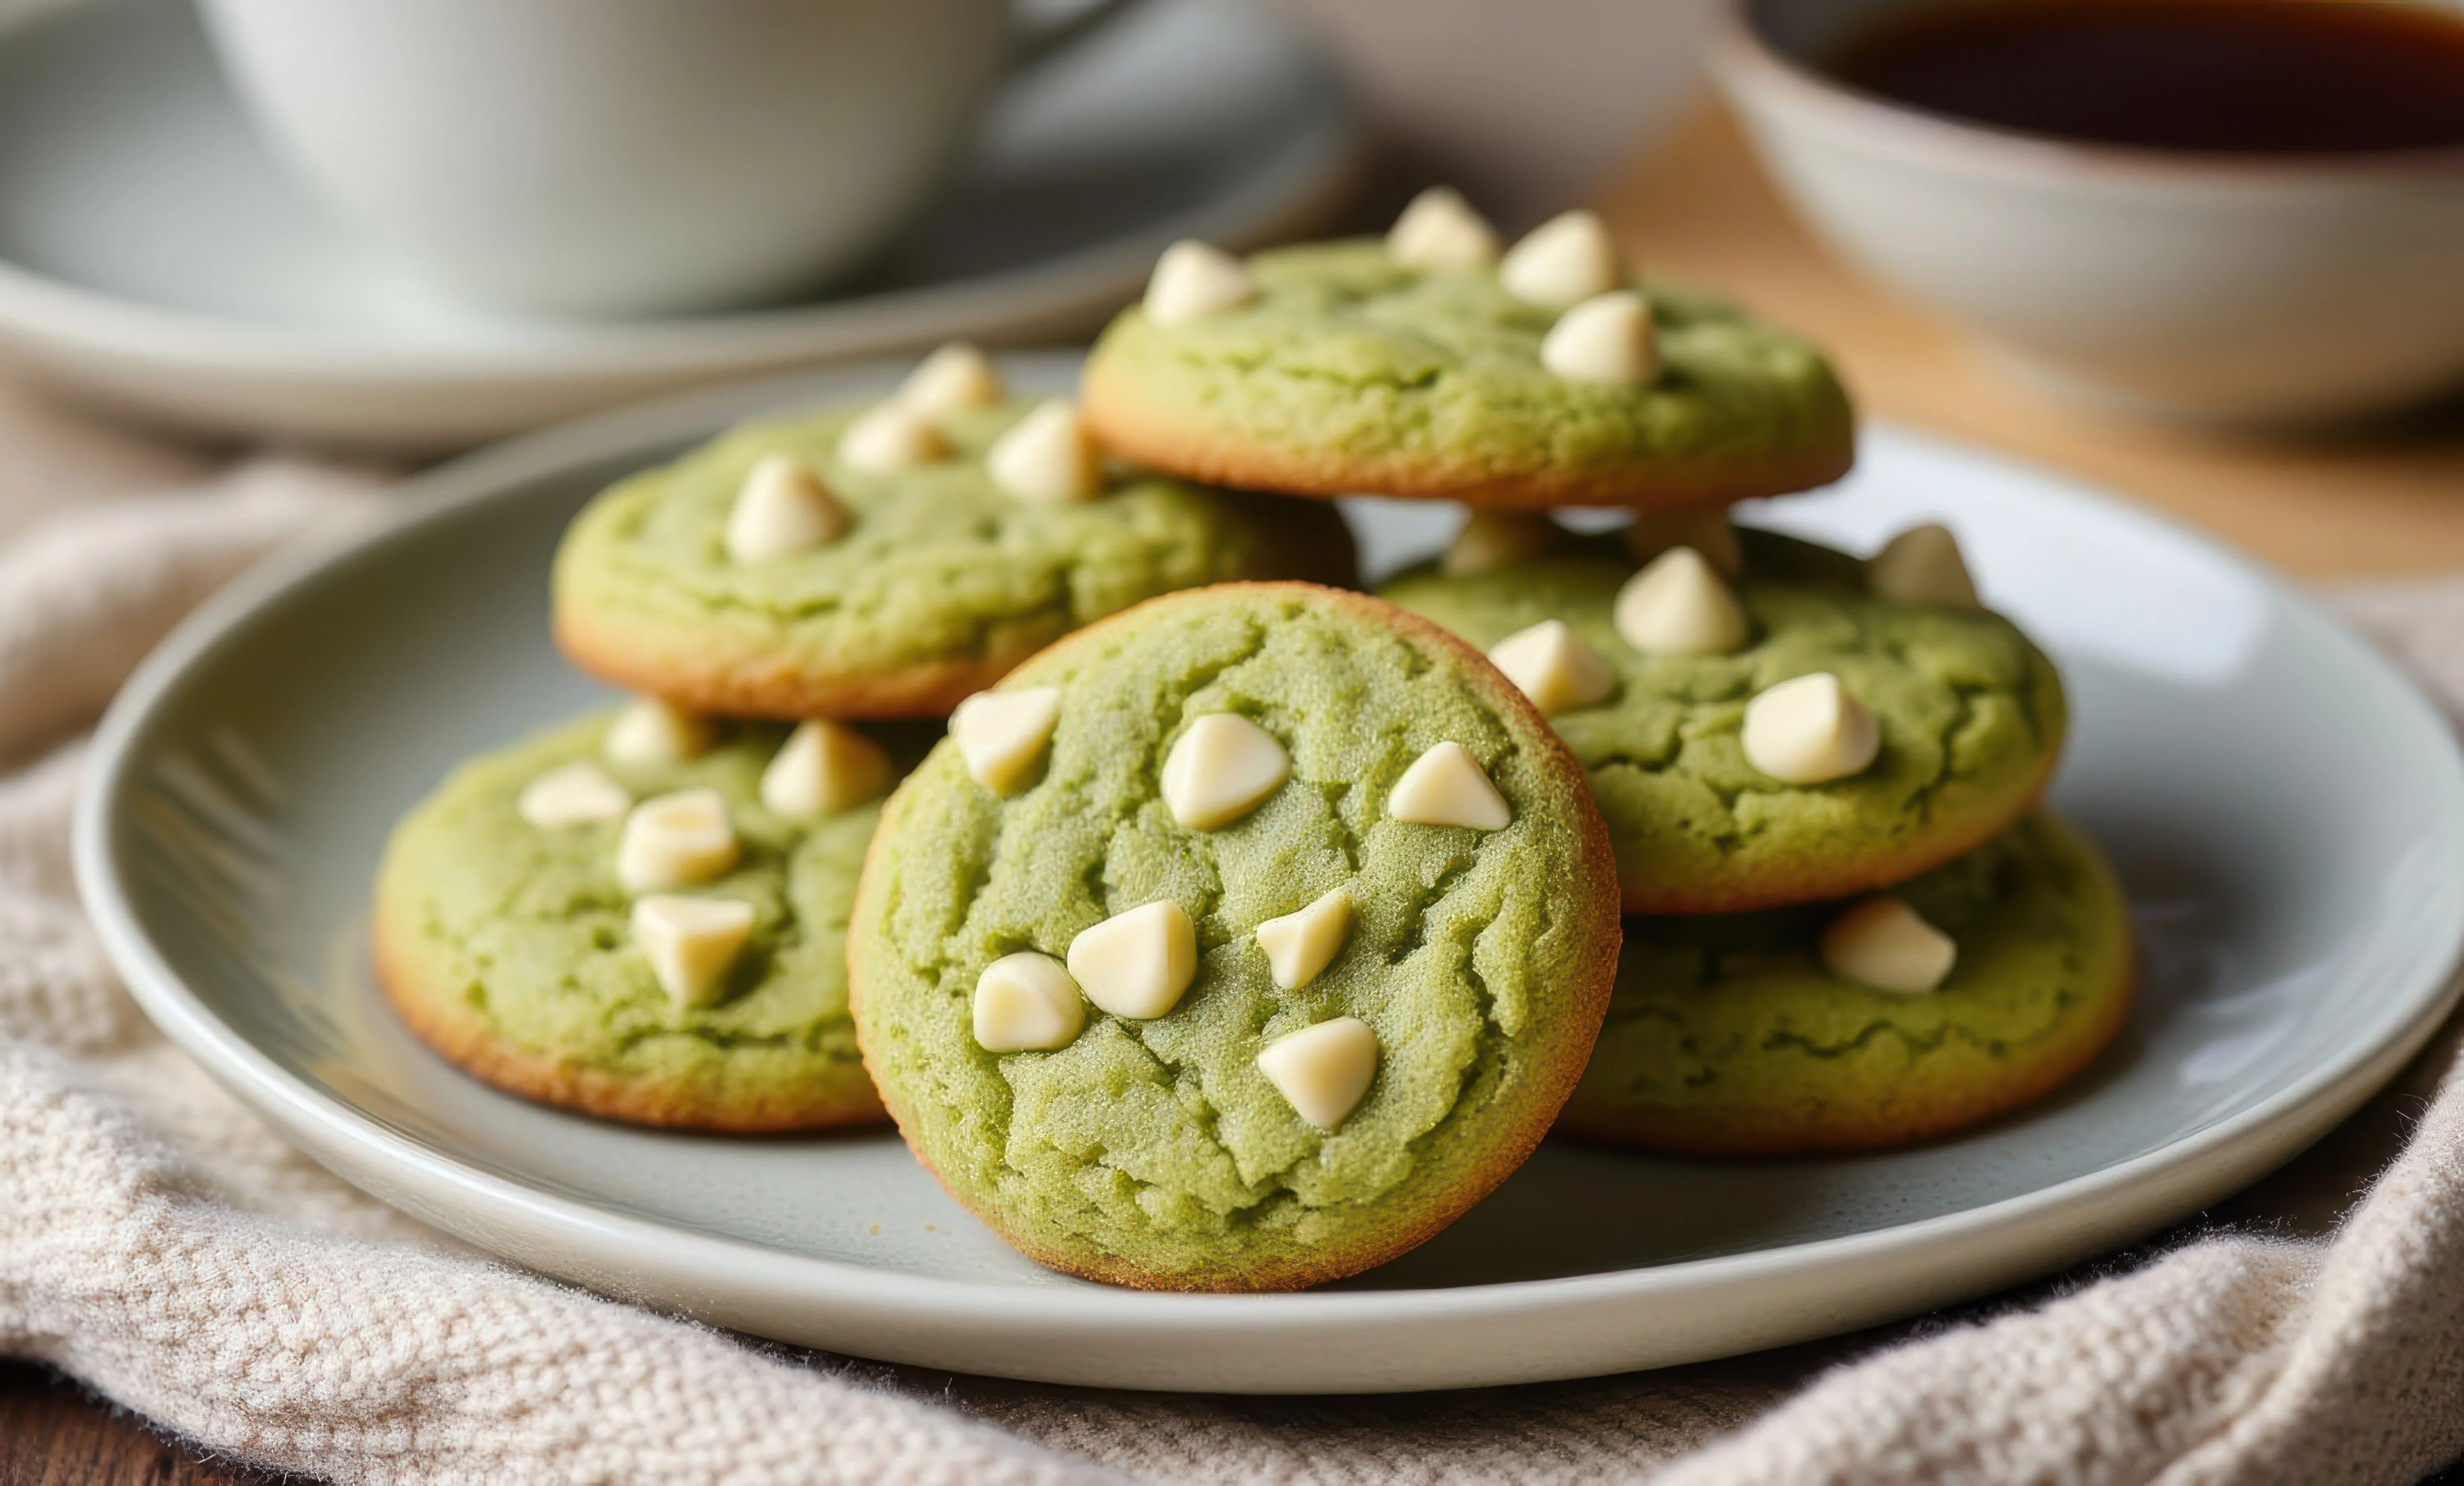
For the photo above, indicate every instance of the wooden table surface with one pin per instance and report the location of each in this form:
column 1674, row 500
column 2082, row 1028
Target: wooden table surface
column 2388, row 502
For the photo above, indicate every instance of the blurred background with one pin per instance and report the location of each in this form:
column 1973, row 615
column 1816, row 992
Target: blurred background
column 394, row 228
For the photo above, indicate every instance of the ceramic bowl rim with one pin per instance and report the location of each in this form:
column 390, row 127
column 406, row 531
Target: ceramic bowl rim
column 1747, row 64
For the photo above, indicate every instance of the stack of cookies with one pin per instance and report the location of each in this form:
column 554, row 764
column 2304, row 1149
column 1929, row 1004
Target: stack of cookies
column 1845, row 924
column 643, row 914
column 1246, row 928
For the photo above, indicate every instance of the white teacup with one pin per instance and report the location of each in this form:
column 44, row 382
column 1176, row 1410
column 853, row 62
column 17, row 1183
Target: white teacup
column 624, row 157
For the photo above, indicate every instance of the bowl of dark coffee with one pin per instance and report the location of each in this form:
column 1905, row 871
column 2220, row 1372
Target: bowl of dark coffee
column 2236, row 211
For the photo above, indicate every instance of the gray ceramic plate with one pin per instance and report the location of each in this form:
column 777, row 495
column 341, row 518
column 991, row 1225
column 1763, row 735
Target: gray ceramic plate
column 2287, row 812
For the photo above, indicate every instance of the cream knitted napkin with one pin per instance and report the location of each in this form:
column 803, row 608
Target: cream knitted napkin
column 159, row 1243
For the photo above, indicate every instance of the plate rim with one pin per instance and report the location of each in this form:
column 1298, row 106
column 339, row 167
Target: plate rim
column 625, row 1244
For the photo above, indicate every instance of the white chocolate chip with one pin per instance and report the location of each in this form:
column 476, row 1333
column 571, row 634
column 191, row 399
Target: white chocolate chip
column 781, row 507
column 1220, row 771
column 1298, row 945
column 1446, row 787
column 578, row 794
column 1439, row 230
column 1026, row 1003
column 1884, row 944
column 1809, row 731
column 823, row 768
column 1137, row 964
column 674, row 840
column 1608, row 337
column 1491, row 539
column 650, row 734
column 1323, row 1072
column 953, row 378
column 1923, row 565
column 1679, row 606
column 890, row 438
column 1554, row 667
column 1002, row 734
column 1193, row 280
column 1707, row 529
column 1563, row 261
column 692, row 943
column 1049, row 457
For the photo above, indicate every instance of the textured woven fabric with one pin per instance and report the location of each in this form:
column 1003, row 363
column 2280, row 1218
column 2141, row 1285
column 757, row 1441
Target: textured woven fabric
column 159, row 1243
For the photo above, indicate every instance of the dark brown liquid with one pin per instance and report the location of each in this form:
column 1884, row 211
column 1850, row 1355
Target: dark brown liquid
column 2230, row 76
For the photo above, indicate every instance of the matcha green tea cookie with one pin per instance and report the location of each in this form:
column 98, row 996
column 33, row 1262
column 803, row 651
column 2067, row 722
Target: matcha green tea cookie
column 1963, row 993
column 1809, row 729
column 888, row 561
column 1426, row 365
column 1241, row 941
column 630, row 916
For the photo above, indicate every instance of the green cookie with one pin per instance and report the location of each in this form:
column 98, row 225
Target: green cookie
column 1727, row 1035
column 1970, row 714
column 941, row 584
column 1152, row 1149
column 1353, row 372
column 508, row 946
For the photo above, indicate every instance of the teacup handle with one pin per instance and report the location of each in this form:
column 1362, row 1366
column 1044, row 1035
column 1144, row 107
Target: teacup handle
column 1038, row 39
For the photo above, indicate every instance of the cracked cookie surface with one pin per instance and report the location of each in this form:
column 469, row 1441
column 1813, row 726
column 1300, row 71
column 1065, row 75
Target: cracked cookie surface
column 507, row 947
column 941, row 583
column 1153, row 1151
column 1727, row 1035
column 1353, row 372
column 1971, row 717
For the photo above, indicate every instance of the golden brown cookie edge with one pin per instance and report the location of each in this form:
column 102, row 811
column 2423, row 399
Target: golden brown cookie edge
column 1512, row 1146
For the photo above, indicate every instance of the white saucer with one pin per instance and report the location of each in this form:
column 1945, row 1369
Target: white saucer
column 154, row 257
column 2286, row 811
